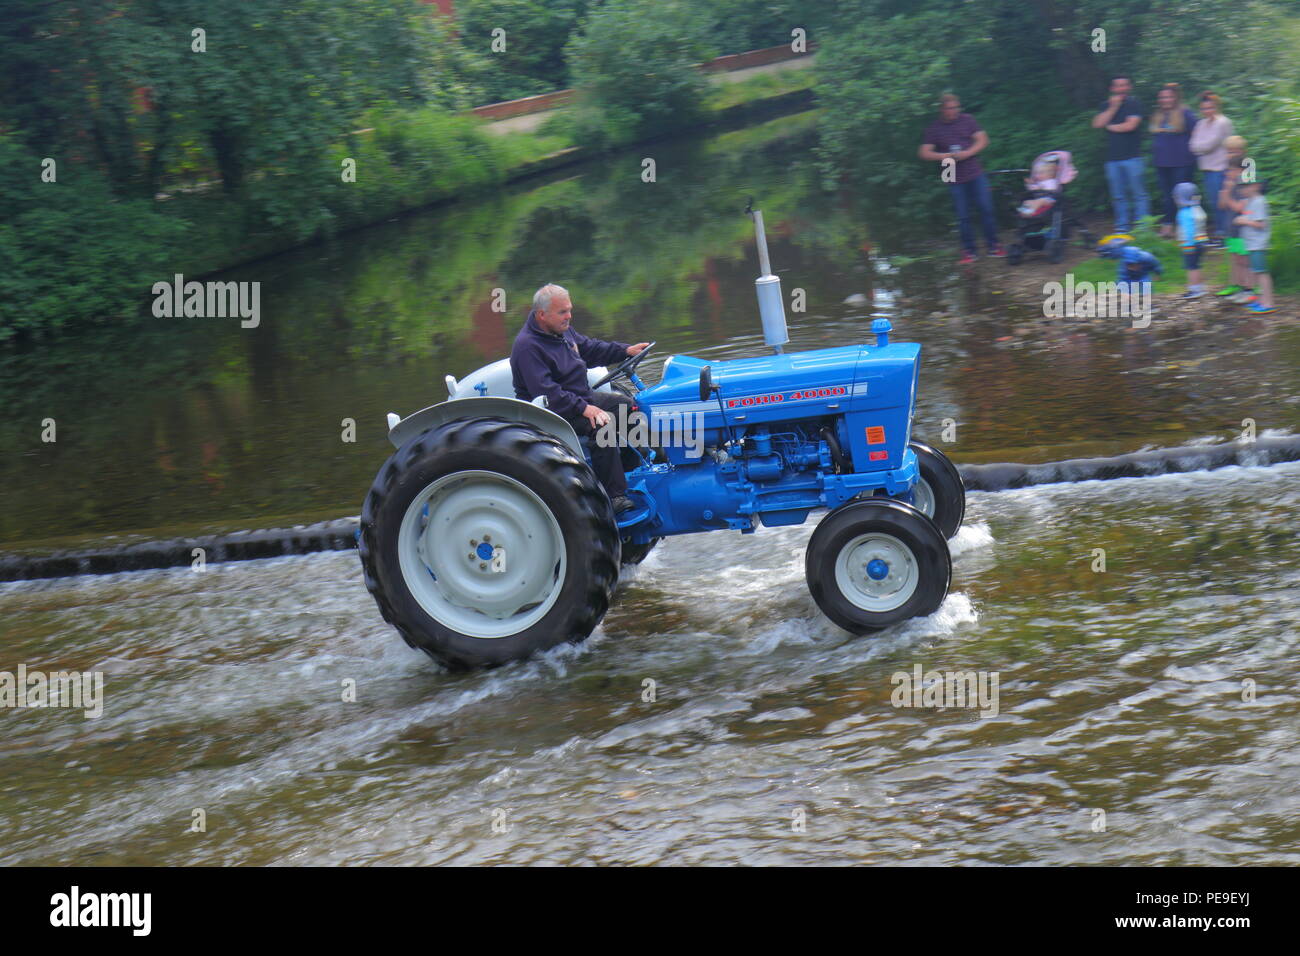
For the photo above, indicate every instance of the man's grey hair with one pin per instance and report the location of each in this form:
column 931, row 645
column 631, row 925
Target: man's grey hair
column 543, row 297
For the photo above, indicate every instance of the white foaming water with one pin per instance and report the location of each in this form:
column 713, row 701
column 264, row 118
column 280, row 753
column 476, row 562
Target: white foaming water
column 1146, row 487
column 970, row 537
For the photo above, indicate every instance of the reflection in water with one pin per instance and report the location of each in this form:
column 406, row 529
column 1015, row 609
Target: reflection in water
column 184, row 425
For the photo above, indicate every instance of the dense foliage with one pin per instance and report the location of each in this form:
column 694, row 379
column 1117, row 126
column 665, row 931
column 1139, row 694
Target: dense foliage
column 634, row 66
column 529, row 54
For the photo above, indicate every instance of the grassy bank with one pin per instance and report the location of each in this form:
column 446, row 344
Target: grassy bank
column 1283, row 262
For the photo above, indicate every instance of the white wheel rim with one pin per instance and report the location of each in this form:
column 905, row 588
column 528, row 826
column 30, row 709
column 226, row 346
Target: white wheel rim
column 518, row 561
column 868, row 555
column 923, row 497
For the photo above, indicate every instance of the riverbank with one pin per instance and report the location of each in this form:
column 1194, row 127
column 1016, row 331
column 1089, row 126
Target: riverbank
column 1030, row 282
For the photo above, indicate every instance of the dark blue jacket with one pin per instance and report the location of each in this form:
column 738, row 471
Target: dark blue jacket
column 556, row 366
column 1136, row 265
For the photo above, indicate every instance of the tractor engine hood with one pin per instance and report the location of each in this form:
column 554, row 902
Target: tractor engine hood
column 873, row 386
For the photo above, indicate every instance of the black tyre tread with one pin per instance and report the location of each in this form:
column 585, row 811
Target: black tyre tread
column 636, row 553
column 899, row 517
column 957, row 488
column 548, row 454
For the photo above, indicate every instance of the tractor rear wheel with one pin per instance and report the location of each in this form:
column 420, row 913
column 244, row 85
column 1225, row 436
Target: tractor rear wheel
column 939, row 493
column 485, row 540
column 875, row 562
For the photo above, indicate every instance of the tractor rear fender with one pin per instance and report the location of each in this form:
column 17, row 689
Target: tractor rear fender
column 513, row 409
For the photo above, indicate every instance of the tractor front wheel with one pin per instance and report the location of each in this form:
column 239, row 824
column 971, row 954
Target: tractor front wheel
column 939, row 492
column 875, row 562
column 484, row 541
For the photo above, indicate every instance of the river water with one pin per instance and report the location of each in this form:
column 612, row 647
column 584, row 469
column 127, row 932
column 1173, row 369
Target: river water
column 1120, row 692
column 1145, row 713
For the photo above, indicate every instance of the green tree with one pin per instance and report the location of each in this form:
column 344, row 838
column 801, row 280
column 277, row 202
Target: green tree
column 535, row 34
column 634, row 67
column 70, row 251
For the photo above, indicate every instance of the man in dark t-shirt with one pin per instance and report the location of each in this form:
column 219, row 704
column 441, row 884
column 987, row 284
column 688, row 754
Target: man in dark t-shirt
column 953, row 141
column 1121, row 118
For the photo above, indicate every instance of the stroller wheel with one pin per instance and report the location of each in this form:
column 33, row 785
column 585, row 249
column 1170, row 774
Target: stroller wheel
column 1015, row 252
column 1056, row 250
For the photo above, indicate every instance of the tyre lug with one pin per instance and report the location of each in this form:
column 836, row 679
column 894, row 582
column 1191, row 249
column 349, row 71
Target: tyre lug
column 482, row 566
column 473, row 542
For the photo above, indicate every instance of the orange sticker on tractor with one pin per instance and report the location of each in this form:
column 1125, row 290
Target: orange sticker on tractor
column 876, row 435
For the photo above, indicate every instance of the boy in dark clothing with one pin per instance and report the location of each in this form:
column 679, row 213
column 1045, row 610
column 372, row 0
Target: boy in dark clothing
column 550, row 358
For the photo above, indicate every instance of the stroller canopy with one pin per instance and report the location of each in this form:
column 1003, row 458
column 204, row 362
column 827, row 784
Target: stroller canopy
column 1065, row 171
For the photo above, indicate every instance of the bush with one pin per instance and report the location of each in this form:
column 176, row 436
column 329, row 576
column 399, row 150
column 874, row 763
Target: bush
column 536, row 32
column 71, row 252
column 634, row 68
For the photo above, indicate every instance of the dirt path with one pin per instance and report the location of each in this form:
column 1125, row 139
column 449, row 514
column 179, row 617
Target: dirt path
column 531, row 121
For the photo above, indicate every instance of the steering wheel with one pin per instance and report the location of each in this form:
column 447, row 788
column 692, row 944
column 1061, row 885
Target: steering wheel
column 627, row 366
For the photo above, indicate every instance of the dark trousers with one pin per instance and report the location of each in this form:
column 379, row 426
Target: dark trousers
column 606, row 462
column 978, row 194
column 1171, row 176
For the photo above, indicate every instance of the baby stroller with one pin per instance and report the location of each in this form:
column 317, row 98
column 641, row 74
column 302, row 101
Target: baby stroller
column 1043, row 219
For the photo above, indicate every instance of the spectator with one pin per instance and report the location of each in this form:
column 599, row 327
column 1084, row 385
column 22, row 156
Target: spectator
column 1233, row 203
column 956, row 136
column 1207, row 144
column 1171, row 131
column 1121, row 117
column 1253, row 223
column 1191, row 236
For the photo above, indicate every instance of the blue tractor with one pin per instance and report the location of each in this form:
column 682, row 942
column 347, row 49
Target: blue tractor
column 485, row 537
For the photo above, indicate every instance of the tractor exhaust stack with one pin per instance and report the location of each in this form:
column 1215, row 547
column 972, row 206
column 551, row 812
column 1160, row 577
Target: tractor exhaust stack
column 771, row 306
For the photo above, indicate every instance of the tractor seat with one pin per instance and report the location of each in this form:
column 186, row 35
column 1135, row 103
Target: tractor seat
column 496, row 380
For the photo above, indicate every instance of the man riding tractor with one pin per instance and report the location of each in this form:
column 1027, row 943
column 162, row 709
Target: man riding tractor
column 550, row 358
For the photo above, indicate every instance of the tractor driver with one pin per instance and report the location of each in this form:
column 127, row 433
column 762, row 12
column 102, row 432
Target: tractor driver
column 550, row 358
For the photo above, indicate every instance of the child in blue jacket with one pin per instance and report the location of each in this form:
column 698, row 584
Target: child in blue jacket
column 1191, row 236
column 1135, row 266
